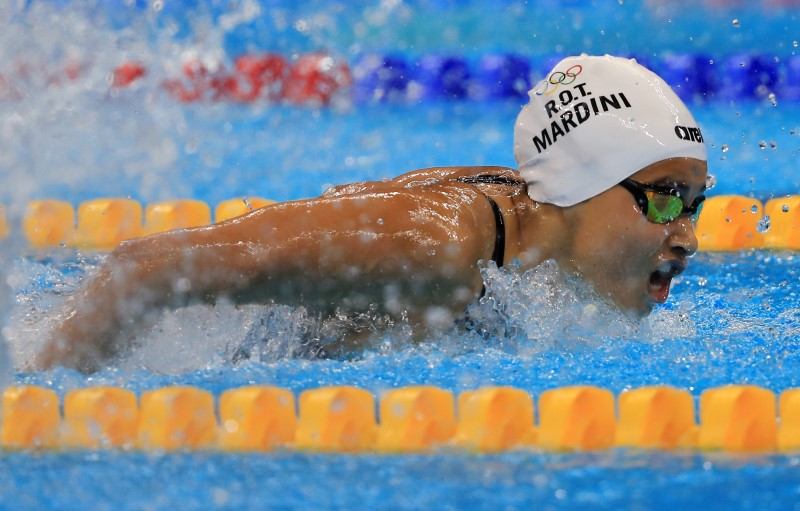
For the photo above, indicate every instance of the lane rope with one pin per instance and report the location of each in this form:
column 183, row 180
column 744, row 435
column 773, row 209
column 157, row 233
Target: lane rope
column 732, row 418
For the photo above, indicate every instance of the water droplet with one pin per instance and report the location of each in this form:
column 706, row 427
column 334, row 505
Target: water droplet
column 158, row 5
column 794, row 43
column 380, row 221
column 792, row 132
column 785, row 208
column 702, row 281
column 725, row 148
column 772, row 99
column 754, row 209
column 763, row 224
column 773, row 144
column 735, row 22
column 762, row 144
column 711, row 181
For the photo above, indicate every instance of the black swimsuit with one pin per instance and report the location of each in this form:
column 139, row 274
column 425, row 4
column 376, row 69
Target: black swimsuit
column 498, row 255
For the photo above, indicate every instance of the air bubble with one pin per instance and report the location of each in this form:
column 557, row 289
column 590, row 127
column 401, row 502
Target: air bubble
column 754, row 209
column 785, row 208
column 735, row 22
column 762, row 144
column 773, row 144
column 725, row 148
column 763, row 224
column 772, row 99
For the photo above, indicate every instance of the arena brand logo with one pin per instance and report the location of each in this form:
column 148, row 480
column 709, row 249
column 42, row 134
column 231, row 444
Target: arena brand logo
column 558, row 78
column 689, row 133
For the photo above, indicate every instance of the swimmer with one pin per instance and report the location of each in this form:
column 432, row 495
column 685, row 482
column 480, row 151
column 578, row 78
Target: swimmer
column 611, row 175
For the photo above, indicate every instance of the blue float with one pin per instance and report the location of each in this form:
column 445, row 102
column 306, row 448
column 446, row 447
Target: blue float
column 380, row 78
column 545, row 65
column 789, row 78
column 748, row 77
column 692, row 77
column 503, row 76
column 441, row 76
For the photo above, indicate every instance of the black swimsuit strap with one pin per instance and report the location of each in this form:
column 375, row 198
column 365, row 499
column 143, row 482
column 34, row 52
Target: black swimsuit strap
column 498, row 255
column 490, row 179
column 500, row 233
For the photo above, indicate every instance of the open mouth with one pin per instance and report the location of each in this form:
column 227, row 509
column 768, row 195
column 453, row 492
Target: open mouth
column 661, row 278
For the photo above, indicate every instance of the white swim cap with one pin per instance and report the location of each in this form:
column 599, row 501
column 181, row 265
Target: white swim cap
column 595, row 121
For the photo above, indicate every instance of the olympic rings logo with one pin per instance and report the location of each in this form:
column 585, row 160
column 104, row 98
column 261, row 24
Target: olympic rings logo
column 559, row 78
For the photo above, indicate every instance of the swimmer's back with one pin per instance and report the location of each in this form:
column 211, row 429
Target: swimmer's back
column 432, row 176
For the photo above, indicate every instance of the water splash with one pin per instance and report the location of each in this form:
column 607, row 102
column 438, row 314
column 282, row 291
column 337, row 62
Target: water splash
column 64, row 124
column 38, row 286
column 522, row 314
column 763, row 224
column 546, row 309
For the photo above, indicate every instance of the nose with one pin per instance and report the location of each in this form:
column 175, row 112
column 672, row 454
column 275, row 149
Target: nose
column 681, row 235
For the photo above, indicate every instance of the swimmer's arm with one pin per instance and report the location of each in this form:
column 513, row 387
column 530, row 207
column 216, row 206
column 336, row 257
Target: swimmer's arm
column 347, row 248
column 322, row 252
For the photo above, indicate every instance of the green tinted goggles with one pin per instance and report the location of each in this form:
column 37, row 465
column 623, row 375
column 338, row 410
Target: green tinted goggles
column 662, row 204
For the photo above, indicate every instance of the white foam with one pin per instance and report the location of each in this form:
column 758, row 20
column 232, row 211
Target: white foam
column 545, row 308
column 527, row 313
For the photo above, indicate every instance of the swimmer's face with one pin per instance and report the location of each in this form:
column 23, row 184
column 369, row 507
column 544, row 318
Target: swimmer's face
column 626, row 257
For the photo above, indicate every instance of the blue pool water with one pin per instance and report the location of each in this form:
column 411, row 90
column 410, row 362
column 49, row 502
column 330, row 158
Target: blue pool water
column 732, row 318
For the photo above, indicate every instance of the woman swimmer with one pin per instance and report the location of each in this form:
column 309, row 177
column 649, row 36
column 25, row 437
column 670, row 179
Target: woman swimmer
column 612, row 169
